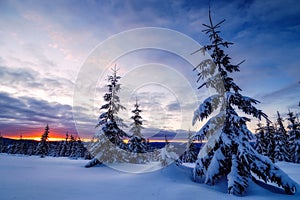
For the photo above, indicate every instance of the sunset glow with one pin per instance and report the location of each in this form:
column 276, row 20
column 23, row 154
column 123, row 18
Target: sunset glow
column 36, row 135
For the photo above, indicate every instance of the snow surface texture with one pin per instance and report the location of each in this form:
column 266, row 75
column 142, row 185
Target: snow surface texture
column 34, row 178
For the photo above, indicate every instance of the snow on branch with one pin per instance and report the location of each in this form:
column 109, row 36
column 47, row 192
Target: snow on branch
column 208, row 106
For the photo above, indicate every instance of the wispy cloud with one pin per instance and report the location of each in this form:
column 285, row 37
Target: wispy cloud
column 29, row 82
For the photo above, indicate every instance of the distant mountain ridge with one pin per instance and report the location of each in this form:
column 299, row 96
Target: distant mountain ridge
column 162, row 134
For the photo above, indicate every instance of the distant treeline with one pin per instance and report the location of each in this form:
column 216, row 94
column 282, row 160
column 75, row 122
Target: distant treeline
column 72, row 148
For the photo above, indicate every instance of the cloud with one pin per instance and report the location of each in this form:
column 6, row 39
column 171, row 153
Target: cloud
column 175, row 106
column 23, row 114
column 29, row 82
column 27, row 111
column 21, row 75
column 280, row 96
column 38, row 53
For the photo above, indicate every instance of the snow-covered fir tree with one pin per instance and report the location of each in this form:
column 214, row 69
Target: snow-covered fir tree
column 167, row 155
column 1, row 143
column 57, row 149
column 265, row 139
column 63, row 149
column 269, row 140
column 294, row 138
column 52, row 149
column 109, row 146
column 18, row 149
column 11, row 148
column 281, row 152
column 31, row 148
column 228, row 152
column 72, row 147
column 137, row 144
column 77, row 148
column 280, row 124
column 43, row 147
column 190, row 153
column 260, row 143
column 80, row 149
column 3, row 147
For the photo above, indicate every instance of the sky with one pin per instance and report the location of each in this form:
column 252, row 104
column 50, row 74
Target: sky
column 48, row 47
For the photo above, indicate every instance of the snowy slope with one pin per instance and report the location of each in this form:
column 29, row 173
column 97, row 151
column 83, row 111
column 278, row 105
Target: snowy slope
column 34, row 178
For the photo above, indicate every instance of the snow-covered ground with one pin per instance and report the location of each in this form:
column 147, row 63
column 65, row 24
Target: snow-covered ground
column 34, row 178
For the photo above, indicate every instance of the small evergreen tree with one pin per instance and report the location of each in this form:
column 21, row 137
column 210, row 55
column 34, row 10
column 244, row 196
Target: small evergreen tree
column 281, row 152
column 21, row 147
column 2, row 145
column 80, row 149
column 109, row 146
column 167, row 155
column 11, row 148
column 77, row 148
column 31, row 148
column 280, row 125
column 64, row 147
column 190, row 154
column 294, row 138
column 228, row 151
column 269, row 140
column 137, row 143
column 72, row 147
column 260, row 143
column 52, row 149
column 17, row 148
column 43, row 147
column 57, row 149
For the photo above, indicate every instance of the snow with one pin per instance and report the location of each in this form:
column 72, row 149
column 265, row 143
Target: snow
column 34, row 178
column 136, row 168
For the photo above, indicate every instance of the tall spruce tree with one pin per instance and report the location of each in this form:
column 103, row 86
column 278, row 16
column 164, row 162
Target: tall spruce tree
column 137, row 143
column 43, row 147
column 109, row 146
column 294, row 138
column 228, row 152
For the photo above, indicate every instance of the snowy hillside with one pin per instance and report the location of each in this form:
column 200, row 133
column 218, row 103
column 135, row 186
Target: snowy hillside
column 34, row 178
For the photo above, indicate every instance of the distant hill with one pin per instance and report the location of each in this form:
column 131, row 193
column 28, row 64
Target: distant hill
column 162, row 134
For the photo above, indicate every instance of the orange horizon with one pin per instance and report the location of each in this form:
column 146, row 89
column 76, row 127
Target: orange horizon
column 35, row 138
column 86, row 139
column 53, row 136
